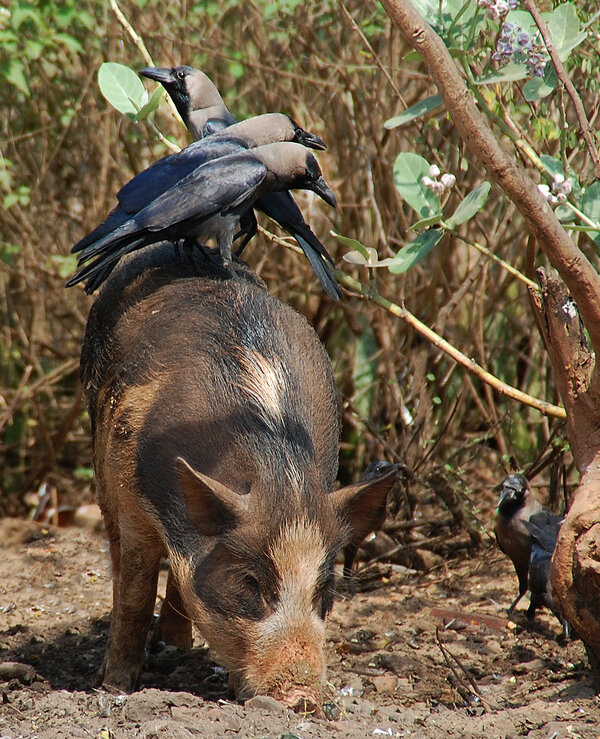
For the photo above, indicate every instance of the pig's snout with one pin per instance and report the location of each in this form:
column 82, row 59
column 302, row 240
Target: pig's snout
column 301, row 698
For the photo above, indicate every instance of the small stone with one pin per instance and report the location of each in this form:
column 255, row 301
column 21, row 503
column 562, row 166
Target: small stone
column 266, row 703
column 331, row 711
column 231, row 722
column 385, row 683
column 17, row 670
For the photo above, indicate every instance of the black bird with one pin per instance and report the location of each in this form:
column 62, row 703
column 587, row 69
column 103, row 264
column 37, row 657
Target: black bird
column 209, row 202
column 204, row 112
column 517, row 506
column 543, row 542
column 162, row 175
column 388, row 473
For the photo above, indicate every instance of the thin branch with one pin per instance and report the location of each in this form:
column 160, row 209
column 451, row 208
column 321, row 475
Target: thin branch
column 470, row 364
column 505, row 265
column 400, row 312
column 584, row 124
column 371, row 50
column 577, row 271
column 139, row 42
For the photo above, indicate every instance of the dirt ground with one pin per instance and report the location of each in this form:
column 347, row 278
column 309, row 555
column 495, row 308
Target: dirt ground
column 421, row 655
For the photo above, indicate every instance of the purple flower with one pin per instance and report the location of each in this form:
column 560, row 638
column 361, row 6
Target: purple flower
column 521, row 47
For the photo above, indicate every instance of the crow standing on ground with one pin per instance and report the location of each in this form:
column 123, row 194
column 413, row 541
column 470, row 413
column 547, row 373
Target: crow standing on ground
column 148, row 185
column 204, row 112
column 526, row 532
column 543, row 542
column 209, row 202
column 389, row 474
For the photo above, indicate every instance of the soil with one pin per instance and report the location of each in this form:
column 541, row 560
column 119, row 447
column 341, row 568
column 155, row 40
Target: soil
column 413, row 654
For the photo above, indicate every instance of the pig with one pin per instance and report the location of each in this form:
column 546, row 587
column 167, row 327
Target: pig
column 215, row 425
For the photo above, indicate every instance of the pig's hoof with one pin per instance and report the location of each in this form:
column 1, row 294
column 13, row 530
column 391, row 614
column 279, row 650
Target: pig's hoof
column 116, row 681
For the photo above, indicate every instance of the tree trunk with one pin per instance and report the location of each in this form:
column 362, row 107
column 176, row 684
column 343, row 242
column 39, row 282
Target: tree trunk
column 576, row 563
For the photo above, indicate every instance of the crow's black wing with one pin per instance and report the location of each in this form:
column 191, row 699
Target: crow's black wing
column 164, row 174
column 282, row 208
column 216, row 187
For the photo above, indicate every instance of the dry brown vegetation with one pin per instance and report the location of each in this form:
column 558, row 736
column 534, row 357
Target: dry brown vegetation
column 403, row 399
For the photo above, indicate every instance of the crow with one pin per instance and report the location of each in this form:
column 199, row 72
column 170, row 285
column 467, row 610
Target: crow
column 388, row 473
column 162, row 175
column 209, row 202
column 204, row 112
column 196, row 98
column 516, row 507
column 543, row 541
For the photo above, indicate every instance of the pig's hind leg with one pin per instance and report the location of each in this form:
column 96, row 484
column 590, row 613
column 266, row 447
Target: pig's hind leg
column 174, row 625
column 136, row 563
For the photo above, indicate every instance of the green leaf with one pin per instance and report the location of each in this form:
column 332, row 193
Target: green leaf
column 472, row 204
column 123, row 89
column 236, row 70
column 66, row 264
column 151, row 105
column 409, row 169
column 23, row 12
column 415, row 111
column 590, row 205
column 416, row 251
column 412, row 56
column 563, row 24
column 564, row 214
column 352, row 243
column 14, row 72
column 64, row 16
column 552, row 165
column 364, row 370
column 86, row 19
column 372, row 259
column 426, row 222
column 540, row 87
column 68, row 41
column 9, row 252
column 33, row 48
column 509, row 73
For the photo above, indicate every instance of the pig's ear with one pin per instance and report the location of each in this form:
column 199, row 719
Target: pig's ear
column 362, row 504
column 211, row 506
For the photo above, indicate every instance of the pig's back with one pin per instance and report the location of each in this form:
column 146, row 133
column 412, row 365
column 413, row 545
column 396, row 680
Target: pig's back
column 185, row 363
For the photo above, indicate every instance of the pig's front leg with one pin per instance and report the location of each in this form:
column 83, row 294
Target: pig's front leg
column 133, row 606
column 174, row 625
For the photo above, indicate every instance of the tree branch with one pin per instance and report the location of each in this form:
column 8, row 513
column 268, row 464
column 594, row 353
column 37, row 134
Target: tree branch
column 578, row 273
column 470, row 364
column 584, row 124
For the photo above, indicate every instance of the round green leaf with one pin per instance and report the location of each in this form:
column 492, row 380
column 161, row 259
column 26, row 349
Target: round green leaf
column 416, row 251
column 409, row 169
column 123, row 89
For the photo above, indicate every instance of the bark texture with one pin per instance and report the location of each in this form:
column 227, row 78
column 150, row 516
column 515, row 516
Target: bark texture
column 566, row 304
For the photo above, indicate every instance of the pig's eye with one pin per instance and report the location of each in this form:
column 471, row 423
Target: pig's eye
column 252, row 583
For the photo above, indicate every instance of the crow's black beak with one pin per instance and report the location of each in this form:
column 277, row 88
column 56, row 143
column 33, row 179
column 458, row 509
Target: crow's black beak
column 323, row 190
column 164, row 75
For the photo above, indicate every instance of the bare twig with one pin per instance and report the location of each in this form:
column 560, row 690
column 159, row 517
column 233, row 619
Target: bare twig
column 577, row 271
column 421, row 544
column 450, row 658
column 139, row 42
column 355, row 27
column 471, row 365
column 584, row 124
